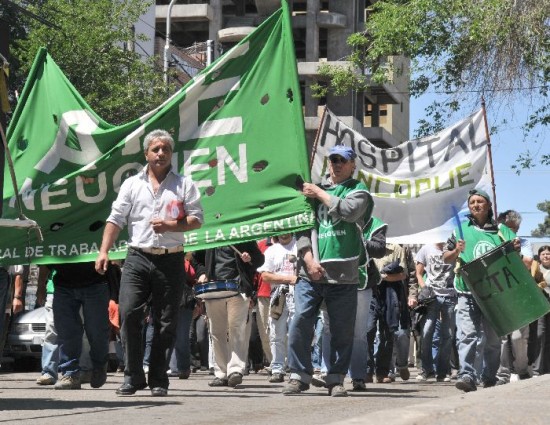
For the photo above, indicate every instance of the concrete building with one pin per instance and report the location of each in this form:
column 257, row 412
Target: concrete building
column 320, row 29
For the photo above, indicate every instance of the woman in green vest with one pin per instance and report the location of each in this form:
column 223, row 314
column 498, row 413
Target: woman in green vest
column 477, row 235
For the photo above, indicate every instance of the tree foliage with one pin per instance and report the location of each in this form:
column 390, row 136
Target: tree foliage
column 88, row 43
column 466, row 49
column 543, row 229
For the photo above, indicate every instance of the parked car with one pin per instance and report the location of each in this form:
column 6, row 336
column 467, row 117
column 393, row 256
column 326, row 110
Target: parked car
column 25, row 338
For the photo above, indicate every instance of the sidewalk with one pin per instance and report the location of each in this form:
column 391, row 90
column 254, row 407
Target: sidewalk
column 525, row 402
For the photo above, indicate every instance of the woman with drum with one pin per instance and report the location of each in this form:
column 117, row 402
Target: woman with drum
column 226, row 286
column 479, row 234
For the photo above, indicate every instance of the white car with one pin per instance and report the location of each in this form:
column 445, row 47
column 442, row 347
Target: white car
column 26, row 336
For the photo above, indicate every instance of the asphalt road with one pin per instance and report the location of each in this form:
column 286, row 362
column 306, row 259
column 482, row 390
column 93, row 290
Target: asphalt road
column 256, row 401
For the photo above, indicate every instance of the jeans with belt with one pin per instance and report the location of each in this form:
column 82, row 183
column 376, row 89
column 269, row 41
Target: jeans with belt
column 159, row 278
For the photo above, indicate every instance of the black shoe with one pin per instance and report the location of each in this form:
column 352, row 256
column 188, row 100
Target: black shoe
column 129, row 389
column 234, row 379
column 98, row 379
column 185, row 374
column 159, row 392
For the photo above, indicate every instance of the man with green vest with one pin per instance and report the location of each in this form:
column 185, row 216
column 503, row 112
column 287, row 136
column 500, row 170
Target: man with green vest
column 329, row 258
column 473, row 238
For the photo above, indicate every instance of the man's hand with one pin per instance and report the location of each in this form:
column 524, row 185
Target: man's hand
column 17, row 305
column 102, row 262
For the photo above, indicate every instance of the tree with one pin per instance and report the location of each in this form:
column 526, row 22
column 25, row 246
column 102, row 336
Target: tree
column 462, row 48
column 87, row 42
column 544, row 228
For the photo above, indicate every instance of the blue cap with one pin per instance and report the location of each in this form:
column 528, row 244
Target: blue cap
column 344, row 151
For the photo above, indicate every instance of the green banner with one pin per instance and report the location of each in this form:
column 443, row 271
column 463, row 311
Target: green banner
column 239, row 134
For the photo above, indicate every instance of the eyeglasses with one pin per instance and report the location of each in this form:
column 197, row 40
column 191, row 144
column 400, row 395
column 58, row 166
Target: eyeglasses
column 337, row 160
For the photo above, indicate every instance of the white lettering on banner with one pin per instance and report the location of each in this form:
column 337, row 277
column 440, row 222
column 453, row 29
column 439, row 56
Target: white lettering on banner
column 224, row 158
column 190, row 168
column 102, row 193
column 85, row 124
column 47, row 195
column 331, row 234
column 9, row 253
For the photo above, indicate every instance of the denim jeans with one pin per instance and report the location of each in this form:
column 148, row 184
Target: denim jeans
column 180, row 360
column 94, row 301
column 379, row 361
column 441, row 308
column 316, row 344
column 161, row 279
column 401, row 346
column 278, row 332
column 50, row 349
column 341, row 303
column 471, row 324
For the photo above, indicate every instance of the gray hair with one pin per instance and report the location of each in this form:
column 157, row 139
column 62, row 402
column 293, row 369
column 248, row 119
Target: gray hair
column 510, row 216
column 156, row 135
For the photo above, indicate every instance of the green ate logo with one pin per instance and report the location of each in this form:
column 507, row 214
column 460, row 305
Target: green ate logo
column 482, row 247
column 324, row 218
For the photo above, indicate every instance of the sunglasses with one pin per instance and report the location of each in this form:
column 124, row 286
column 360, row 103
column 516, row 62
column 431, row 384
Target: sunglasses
column 337, row 160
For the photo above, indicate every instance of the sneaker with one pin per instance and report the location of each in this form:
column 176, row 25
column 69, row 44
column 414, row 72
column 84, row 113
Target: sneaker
column 294, row 386
column 404, row 373
column 218, row 382
column 424, row 376
column 85, row 376
column 45, row 379
column 235, row 379
column 68, row 382
column 277, row 377
column 466, row 384
column 337, row 390
column 98, row 379
column 443, row 378
column 318, row 381
column 358, row 385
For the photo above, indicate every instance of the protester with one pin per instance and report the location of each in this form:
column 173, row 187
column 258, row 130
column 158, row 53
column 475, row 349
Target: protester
column 437, row 292
column 279, row 270
column 228, row 317
column 541, row 328
column 158, row 205
column 474, row 237
column 328, row 271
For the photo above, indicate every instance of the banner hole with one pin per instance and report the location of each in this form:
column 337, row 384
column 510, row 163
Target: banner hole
column 56, row 226
column 260, row 166
column 96, row 225
column 261, row 206
column 218, row 216
column 290, row 95
column 264, row 99
column 213, row 162
column 209, row 191
column 22, row 144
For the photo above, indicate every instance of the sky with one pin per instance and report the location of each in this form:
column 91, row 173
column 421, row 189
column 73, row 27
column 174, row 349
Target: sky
column 518, row 192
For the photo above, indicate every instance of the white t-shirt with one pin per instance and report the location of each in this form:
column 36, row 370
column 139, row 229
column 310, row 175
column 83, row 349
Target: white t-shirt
column 281, row 259
column 440, row 275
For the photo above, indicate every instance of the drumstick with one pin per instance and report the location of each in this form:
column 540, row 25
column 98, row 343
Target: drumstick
column 236, row 250
column 457, row 220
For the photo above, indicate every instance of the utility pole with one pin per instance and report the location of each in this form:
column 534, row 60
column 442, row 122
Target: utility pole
column 4, row 52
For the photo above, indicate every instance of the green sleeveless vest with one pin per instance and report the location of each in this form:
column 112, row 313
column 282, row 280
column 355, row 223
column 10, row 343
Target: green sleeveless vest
column 339, row 240
column 374, row 224
column 478, row 242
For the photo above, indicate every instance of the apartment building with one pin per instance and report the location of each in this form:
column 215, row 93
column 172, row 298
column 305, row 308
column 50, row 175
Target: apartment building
column 320, row 30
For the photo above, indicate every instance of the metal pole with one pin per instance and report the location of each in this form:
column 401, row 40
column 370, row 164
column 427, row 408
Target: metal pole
column 167, row 44
column 209, row 51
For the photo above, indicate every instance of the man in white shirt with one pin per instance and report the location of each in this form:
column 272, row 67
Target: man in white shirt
column 158, row 205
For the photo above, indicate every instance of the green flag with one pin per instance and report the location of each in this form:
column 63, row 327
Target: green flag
column 239, row 134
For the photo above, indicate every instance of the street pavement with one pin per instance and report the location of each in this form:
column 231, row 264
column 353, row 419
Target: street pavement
column 256, row 401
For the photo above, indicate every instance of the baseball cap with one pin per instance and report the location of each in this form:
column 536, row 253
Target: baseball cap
column 344, row 151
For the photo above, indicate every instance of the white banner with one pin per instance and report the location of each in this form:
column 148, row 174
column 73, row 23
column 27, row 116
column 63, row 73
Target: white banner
column 420, row 187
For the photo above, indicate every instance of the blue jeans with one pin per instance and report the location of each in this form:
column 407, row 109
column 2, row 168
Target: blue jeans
column 161, row 279
column 470, row 324
column 379, row 361
column 94, row 301
column 440, row 308
column 341, row 302
column 180, row 360
column 50, row 349
column 316, row 354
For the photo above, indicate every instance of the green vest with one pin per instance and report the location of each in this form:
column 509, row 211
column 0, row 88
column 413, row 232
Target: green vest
column 478, row 242
column 339, row 240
